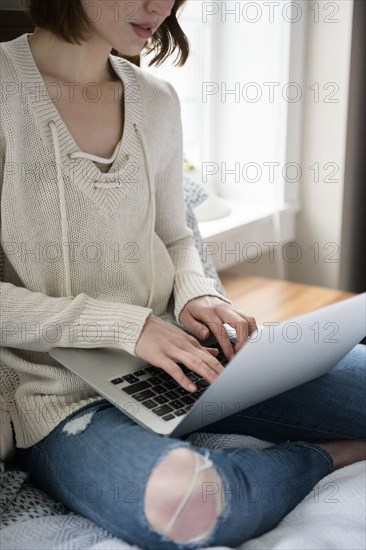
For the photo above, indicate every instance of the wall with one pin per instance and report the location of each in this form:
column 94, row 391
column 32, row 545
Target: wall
column 319, row 223
column 353, row 266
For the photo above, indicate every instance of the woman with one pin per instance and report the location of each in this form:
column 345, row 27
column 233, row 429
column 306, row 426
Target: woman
column 94, row 242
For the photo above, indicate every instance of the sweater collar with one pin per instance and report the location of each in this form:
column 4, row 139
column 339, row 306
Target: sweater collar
column 34, row 91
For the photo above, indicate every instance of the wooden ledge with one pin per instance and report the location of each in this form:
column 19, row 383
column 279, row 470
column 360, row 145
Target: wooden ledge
column 276, row 300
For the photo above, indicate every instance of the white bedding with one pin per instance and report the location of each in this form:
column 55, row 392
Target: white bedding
column 331, row 517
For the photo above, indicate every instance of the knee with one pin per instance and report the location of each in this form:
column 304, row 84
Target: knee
column 183, row 496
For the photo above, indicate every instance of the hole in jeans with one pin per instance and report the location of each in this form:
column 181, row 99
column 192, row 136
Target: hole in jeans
column 182, row 497
column 78, row 425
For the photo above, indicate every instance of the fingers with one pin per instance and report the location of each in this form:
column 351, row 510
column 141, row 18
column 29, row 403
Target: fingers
column 202, row 363
column 169, row 348
column 165, row 346
column 244, row 326
column 197, row 328
column 212, row 361
column 252, row 324
column 212, row 351
column 171, row 368
column 198, row 359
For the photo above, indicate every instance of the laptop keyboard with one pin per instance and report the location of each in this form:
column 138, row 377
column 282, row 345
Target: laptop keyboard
column 157, row 391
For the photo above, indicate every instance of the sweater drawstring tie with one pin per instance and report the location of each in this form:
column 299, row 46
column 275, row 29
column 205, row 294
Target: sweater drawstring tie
column 64, row 224
column 152, row 213
column 117, row 183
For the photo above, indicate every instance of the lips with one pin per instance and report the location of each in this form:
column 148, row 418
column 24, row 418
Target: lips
column 143, row 30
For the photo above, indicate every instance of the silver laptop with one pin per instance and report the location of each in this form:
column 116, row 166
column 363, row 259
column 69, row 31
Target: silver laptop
column 278, row 357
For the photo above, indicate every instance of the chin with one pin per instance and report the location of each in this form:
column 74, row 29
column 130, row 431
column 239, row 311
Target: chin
column 131, row 50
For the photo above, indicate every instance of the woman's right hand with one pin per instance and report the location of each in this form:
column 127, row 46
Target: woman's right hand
column 164, row 345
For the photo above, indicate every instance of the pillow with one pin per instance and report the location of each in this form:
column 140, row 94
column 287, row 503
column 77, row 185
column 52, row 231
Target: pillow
column 194, row 195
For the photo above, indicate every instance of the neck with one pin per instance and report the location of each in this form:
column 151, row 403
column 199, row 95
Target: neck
column 84, row 63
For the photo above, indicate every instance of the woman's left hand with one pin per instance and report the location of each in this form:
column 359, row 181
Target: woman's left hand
column 209, row 312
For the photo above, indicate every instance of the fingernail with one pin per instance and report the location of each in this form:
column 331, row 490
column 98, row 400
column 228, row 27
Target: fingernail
column 192, row 387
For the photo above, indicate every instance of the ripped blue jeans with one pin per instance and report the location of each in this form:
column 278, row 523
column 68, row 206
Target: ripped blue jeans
column 98, row 461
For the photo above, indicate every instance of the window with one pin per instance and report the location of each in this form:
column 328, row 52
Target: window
column 187, row 81
column 241, row 101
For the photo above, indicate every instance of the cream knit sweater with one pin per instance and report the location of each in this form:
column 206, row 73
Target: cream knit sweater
column 86, row 256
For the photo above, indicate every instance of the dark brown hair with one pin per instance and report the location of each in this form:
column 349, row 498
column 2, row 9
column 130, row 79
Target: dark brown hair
column 67, row 20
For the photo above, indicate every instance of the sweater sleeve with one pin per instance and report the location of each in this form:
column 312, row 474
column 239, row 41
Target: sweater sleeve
column 34, row 321
column 190, row 280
